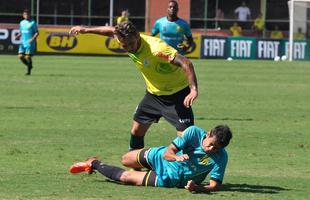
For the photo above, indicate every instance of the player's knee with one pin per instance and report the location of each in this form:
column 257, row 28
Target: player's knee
column 126, row 160
column 128, row 177
column 21, row 56
column 136, row 131
column 28, row 57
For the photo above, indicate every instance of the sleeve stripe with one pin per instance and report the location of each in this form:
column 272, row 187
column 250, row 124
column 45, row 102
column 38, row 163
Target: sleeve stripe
column 176, row 146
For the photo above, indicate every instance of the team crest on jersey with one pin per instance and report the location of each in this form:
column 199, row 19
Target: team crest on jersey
column 179, row 29
column 204, row 160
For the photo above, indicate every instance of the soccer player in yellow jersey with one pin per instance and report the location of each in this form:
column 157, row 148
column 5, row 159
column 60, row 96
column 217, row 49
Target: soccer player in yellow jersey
column 170, row 79
column 259, row 25
column 276, row 33
column 299, row 35
column 235, row 30
column 123, row 18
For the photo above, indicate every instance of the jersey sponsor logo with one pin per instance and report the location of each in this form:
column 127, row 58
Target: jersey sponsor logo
column 61, row 41
column 114, row 46
column 204, row 160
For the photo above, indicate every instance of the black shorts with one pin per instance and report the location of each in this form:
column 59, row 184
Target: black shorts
column 150, row 179
column 171, row 107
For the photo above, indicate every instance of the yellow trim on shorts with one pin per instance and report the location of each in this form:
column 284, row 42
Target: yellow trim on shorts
column 147, row 178
column 138, row 158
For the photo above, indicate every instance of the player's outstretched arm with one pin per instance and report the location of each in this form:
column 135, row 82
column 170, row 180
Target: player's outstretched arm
column 100, row 30
column 170, row 154
column 193, row 187
column 188, row 67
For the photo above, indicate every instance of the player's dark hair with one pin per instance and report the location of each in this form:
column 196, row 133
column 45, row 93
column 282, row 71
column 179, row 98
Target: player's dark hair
column 222, row 133
column 26, row 11
column 173, row 1
column 126, row 29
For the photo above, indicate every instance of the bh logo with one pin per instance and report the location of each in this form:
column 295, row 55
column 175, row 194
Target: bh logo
column 61, row 41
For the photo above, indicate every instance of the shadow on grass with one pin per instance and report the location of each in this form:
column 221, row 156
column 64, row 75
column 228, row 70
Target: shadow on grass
column 265, row 189
column 228, row 187
column 18, row 107
column 224, row 119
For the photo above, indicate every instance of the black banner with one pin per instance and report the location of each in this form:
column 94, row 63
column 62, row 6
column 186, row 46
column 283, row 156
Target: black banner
column 8, row 43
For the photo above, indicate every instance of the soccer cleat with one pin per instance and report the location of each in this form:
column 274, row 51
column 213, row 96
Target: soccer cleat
column 84, row 166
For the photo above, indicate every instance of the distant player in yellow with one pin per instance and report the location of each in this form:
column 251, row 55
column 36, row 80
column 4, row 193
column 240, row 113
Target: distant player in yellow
column 236, row 30
column 259, row 25
column 299, row 35
column 276, row 33
column 123, row 18
column 170, row 79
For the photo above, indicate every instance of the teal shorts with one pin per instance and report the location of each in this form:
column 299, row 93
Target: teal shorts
column 28, row 49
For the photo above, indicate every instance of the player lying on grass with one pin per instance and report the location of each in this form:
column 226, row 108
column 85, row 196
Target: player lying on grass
column 170, row 79
column 186, row 162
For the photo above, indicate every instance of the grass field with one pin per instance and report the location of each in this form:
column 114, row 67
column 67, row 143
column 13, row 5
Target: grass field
column 75, row 107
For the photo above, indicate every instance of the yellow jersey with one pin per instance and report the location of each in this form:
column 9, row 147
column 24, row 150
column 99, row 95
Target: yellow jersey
column 121, row 19
column 276, row 35
column 235, row 30
column 153, row 60
column 299, row 36
column 259, row 23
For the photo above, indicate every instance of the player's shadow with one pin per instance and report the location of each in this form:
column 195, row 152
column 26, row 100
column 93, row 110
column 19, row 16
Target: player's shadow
column 264, row 189
column 224, row 119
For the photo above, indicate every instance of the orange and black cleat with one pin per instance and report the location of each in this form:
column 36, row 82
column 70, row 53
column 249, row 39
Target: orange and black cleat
column 84, row 166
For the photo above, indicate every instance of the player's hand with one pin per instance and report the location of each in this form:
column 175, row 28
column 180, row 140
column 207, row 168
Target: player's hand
column 190, row 186
column 182, row 157
column 76, row 30
column 189, row 99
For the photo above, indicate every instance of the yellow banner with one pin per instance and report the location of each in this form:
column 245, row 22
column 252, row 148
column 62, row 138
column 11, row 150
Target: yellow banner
column 52, row 40
column 59, row 41
column 195, row 51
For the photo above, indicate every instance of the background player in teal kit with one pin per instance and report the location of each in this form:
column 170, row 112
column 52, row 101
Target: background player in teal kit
column 186, row 162
column 28, row 34
column 174, row 30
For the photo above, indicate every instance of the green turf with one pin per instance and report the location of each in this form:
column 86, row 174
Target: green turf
column 75, row 107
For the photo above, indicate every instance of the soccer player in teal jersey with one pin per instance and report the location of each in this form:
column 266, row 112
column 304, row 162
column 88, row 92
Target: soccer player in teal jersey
column 171, row 84
column 174, row 30
column 28, row 34
column 185, row 163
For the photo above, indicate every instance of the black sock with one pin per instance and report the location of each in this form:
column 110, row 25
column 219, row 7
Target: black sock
column 24, row 61
column 136, row 142
column 108, row 171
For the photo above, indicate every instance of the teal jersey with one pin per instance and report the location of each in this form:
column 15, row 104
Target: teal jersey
column 27, row 30
column 199, row 165
column 173, row 33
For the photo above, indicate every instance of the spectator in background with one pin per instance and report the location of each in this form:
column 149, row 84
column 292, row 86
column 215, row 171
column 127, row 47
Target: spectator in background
column 299, row 35
column 276, row 33
column 123, row 18
column 174, row 30
column 243, row 14
column 235, row 30
column 219, row 18
column 259, row 25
